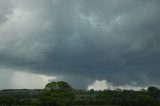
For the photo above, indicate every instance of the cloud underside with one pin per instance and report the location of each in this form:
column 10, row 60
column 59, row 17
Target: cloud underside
column 111, row 40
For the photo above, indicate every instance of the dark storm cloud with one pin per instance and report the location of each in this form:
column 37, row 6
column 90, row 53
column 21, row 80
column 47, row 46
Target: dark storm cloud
column 103, row 39
column 5, row 8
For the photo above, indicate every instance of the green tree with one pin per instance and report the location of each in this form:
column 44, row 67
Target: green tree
column 57, row 94
column 154, row 92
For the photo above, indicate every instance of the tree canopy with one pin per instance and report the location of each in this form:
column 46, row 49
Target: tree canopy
column 57, row 94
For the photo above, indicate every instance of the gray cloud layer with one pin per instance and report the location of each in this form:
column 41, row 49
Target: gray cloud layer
column 103, row 39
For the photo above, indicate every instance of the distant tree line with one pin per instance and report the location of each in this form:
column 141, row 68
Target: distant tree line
column 62, row 94
column 149, row 97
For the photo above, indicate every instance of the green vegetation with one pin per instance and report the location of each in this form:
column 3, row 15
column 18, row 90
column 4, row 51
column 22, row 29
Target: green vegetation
column 57, row 94
column 61, row 94
column 119, row 97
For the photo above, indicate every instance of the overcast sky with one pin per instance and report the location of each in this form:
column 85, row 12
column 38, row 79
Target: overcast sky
column 88, row 43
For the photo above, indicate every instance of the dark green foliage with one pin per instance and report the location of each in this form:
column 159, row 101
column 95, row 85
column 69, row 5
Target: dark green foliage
column 21, row 96
column 119, row 97
column 6, row 100
column 62, row 94
column 57, row 94
column 154, row 92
